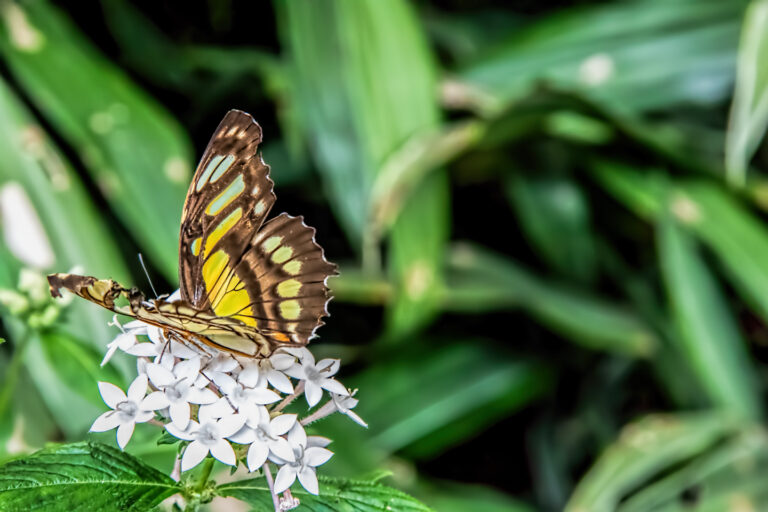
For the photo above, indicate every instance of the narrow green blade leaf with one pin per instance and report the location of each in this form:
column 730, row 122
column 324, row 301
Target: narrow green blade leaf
column 484, row 281
column 73, row 230
column 749, row 110
column 136, row 153
column 644, row 449
column 82, row 475
column 336, row 495
column 463, row 388
column 709, row 337
column 358, row 123
column 555, row 216
column 698, row 39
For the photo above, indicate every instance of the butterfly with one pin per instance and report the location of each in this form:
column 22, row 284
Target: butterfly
column 247, row 286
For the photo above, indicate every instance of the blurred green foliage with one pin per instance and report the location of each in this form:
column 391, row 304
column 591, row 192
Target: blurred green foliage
column 550, row 223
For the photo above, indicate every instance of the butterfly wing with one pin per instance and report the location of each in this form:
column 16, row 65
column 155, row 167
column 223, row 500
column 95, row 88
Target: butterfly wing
column 179, row 318
column 271, row 279
column 228, row 200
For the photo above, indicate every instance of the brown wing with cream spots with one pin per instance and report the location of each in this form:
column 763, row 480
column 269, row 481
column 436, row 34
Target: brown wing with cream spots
column 286, row 272
column 228, row 200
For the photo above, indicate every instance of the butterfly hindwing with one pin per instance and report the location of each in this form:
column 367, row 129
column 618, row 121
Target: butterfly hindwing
column 285, row 273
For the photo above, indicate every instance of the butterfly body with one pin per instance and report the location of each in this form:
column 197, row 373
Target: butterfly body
column 247, row 286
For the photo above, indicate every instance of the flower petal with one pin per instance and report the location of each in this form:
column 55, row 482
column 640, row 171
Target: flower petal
column 201, row 396
column 143, row 350
column 297, row 436
column 280, row 382
column 281, row 362
column 334, row 386
column 106, row 421
column 187, row 370
column 193, row 455
column 285, row 478
column 308, row 480
column 229, row 425
column 217, row 409
column 111, row 394
column 313, row 392
column 328, row 367
column 111, row 349
column 180, row 414
column 263, row 396
column 315, row 456
column 245, row 435
column 282, row 424
column 250, row 376
column 124, row 433
column 257, row 455
column 186, row 434
column 159, row 375
column 138, row 389
column 296, row 371
column 320, row 441
column 155, row 334
column 154, row 401
column 356, row 418
column 223, row 451
column 282, row 449
column 143, row 416
column 182, row 351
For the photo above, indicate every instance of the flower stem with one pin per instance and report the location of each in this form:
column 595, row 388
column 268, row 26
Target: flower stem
column 290, row 398
column 204, row 474
column 271, row 484
column 194, row 501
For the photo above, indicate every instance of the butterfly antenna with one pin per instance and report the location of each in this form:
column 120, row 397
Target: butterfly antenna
column 143, row 266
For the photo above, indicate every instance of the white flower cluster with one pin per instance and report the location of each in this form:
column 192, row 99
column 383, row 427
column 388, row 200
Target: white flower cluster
column 227, row 406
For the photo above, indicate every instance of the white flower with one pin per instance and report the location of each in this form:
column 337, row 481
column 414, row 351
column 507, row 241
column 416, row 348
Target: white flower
column 345, row 403
column 269, row 370
column 127, row 410
column 247, row 400
column 219, row 370
column 123, row 341
column 177, row 390
column 316, row 377
column 208, row 436
column 264, row 438
column 308, row 453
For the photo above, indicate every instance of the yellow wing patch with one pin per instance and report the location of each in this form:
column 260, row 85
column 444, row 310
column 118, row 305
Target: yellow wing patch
column 220, row 230
column 282, row 254
column 226, row 196
column 289, row 288
column 290, row 309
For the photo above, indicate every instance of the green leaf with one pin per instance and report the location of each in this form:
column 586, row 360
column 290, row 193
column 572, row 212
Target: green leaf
column 644, row 449
column 749, row 110
column 70, row 477
column 708, row 335
column 78, row 365
column 484, row 281
column 462, row 390
column 136, row 153
column 357, row 123
column 336, row 495
column 73, row 227
column 698, row 39
column 555, row 217
column 457, row 497
column 736, row 236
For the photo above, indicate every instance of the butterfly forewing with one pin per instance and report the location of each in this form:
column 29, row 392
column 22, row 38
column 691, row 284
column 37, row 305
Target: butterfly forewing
column 228, row 200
